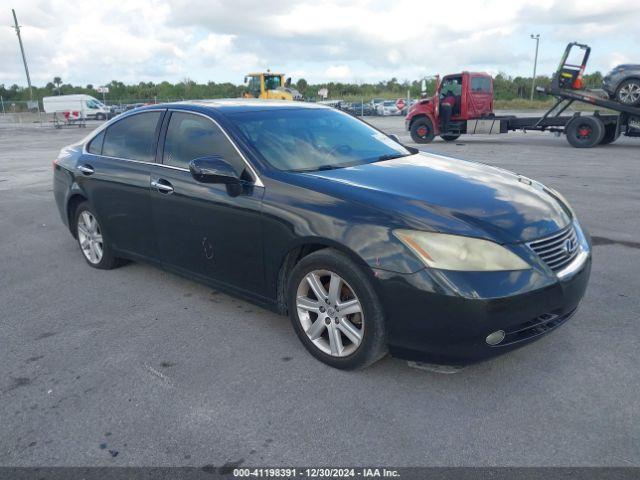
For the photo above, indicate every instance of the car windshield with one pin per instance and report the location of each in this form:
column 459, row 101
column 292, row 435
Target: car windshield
column 308, row 139
column 92, row 103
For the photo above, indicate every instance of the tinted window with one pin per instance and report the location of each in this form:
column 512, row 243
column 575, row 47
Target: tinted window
column 480, row 84
column 132, row 137
column 193, row 136
column 313, row 138
column 95, row 146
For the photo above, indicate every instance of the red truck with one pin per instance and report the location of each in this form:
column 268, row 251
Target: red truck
column 471, row 96
column 473, row 93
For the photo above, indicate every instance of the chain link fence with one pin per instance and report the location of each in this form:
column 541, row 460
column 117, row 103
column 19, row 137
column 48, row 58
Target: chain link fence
column 32, row 112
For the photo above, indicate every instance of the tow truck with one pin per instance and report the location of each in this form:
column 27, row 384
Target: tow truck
column 473, row 110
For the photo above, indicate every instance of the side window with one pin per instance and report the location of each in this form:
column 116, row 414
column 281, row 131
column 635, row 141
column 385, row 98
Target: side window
column 133, row 137
column 480, row 84
column 95, row 146
column 192, row 136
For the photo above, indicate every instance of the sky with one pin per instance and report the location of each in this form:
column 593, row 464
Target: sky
column 94, row 42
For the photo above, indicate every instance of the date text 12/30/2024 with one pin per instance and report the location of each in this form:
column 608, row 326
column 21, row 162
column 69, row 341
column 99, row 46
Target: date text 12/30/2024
column 315, row 472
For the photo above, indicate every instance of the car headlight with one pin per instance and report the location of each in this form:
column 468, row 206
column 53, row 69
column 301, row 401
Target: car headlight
column 455, row 252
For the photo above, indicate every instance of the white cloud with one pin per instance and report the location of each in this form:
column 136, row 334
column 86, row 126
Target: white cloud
column 369, row 40
column 338, row 72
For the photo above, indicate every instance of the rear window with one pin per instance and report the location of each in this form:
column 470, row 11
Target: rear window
column 133, row 137
column 95, row 146
column 481, row 84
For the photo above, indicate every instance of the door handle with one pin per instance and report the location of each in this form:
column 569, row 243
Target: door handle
column 162, row 186
column 86, row 169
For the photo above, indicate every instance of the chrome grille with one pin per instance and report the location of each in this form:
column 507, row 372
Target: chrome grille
column 557, row 250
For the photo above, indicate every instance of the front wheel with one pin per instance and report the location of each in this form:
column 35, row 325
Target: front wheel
column 335, row 311
column 584, row 132
column 628, row 92
column 422, row 130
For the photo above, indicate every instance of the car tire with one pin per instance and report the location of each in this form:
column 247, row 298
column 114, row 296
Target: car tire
column 611, row 134
column 422, row 130
column 584, row 132
column 365, row 339
column 91, row 239
column 628, row 92
column 450, row 138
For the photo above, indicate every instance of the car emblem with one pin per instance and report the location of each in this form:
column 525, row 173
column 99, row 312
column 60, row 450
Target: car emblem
column 567, row 247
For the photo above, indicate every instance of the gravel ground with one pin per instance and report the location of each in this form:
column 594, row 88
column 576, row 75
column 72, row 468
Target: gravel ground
column 136, row 366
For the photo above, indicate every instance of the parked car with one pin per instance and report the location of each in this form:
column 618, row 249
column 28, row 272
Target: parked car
column 132, row 106
column 86, row 106
column 117, row 109
column 374, row 104
column 623, row 84
column 388, row 107
column 369, row 246
column 356, row 108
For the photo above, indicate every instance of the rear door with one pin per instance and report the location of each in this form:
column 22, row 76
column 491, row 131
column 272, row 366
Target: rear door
column 202, row 228
column 115, row 173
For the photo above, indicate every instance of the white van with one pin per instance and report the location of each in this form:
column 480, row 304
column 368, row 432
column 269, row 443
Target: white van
column 86, row 106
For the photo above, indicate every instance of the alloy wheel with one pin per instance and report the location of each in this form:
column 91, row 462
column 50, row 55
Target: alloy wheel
column 330, row 313
column 629, row 93
column 90, row 237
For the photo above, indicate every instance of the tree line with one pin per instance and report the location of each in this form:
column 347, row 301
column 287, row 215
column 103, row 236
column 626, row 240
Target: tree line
column 505, row 88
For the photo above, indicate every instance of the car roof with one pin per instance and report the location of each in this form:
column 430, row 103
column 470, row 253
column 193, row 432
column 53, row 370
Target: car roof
column 237, row 105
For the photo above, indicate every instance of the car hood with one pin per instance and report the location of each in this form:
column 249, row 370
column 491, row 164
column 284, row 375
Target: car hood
column 431, row 192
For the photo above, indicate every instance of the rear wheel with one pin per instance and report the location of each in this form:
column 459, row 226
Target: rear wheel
column 585, row 132
column 611, row 134
column 335, row 311
column 94, row 247
column 449, row 138
column 422, row 130
column 628, row 92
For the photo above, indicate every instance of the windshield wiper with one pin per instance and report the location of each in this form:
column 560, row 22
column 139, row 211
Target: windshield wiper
column 391, row 156
column 316, row 169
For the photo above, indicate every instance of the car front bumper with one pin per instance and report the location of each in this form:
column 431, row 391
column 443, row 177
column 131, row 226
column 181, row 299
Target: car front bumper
column 445, row 317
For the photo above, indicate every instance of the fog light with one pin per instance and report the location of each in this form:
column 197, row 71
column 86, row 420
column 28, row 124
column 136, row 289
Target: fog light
column 495, row 338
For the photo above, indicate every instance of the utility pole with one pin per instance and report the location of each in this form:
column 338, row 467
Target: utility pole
column 24, row 58
column 535, row 37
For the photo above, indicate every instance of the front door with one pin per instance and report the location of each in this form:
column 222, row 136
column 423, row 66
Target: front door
column 206, row 229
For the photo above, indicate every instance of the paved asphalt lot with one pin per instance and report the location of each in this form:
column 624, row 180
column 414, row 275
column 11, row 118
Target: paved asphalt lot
column 136, row 366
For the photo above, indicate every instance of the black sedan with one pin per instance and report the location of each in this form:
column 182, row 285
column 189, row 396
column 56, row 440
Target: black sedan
column 623, row 84
column 369, row 246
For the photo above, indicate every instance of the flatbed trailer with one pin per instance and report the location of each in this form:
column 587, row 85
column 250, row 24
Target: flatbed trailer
column 582, row 130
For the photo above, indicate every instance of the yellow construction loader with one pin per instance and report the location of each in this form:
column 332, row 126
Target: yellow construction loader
column 269, row 85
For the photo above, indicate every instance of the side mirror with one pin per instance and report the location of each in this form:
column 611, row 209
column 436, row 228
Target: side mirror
column 423, row 88
column 213, row 169
column 288, row 82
